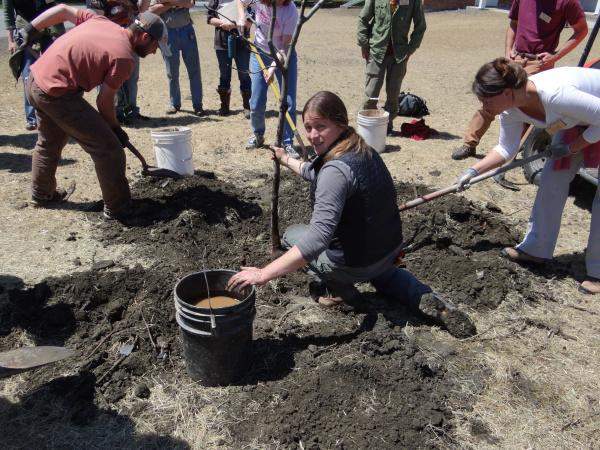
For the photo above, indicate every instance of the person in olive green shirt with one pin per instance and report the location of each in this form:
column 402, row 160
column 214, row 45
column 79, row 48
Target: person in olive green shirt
column 383, row 29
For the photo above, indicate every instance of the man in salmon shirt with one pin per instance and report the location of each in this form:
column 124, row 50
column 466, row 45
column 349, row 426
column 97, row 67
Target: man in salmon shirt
column 97, row 52
column 532, row 41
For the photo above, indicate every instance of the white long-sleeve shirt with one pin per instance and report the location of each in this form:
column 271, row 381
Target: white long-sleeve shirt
column 570, row 94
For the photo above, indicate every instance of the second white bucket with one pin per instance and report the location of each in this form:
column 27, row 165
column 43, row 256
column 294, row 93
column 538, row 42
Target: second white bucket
column 372, row 126
column 173, row 149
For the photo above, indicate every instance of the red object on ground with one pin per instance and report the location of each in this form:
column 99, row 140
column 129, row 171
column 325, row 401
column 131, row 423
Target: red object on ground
column 417, row 130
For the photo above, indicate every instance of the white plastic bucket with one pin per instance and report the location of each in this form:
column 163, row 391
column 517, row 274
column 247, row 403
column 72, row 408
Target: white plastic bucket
column 372, row 126
column 173, row 149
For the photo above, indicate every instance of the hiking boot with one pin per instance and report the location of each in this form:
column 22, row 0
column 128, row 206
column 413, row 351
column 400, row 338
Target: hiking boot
column 225, row 96
column 30, row 126
column 58, row 196
column 519, row 256
column 446, row 315
column 137, row 116
column 199, row 112
column 591, row 286
column 246, row 102
column 463, row 152
column 256, row 141
column 172, row 110
column 291, row 151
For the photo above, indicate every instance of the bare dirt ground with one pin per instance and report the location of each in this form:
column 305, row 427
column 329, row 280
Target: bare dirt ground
column 529, row 379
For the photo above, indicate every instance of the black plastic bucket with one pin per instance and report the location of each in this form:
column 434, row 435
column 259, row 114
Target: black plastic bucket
column 216, row 346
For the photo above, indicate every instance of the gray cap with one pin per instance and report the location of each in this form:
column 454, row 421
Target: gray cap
column 156, row 28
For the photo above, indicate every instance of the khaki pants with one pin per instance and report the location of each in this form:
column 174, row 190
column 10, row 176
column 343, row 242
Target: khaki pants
column 69, row 115
column 393, row 73
column 482, row 120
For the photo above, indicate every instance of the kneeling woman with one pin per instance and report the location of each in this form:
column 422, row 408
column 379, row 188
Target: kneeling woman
column 567, row 95
column 355, row 233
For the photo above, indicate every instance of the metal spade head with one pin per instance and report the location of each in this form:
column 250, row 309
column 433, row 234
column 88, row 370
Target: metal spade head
column 27, row 358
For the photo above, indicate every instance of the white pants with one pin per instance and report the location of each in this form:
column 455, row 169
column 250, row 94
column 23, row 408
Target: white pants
column 544, row 223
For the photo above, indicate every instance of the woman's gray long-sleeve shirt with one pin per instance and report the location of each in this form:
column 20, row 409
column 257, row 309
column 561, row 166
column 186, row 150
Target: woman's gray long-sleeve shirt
column 336, row 183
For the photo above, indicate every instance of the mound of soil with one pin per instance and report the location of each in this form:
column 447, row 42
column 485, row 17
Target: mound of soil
column 345, row 377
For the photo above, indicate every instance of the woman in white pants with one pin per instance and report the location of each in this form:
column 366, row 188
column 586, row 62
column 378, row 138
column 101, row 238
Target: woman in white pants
column 569, row 96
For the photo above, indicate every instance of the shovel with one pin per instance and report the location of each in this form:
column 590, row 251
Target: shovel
column 150, row 171
column 484, row 176
column 20, row 360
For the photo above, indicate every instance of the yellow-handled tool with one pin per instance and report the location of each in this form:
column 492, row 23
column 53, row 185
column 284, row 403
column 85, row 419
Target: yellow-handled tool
column 275, row 89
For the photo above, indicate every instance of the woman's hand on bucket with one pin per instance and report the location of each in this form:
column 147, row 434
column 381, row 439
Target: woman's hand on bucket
column 248, row 276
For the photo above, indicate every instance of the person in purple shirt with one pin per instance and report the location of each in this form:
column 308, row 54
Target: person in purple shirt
column 532, row 40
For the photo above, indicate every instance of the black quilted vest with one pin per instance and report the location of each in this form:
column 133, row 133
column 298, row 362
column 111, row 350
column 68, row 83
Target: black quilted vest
column 370, row 226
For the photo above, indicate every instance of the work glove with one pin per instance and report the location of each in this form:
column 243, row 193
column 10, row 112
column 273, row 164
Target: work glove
column 558, row 151
column 121, row 136
column 464, row 181
column 29, row 34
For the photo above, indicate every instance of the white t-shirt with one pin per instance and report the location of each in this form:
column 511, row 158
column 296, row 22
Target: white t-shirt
column 570, row 94
column 287, row 17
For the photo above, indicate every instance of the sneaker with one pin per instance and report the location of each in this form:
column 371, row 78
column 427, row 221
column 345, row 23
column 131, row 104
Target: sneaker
column 256, row 141
column 137, row 116
column 291, row 150
column 464, row 151
column 31, row 126
column 391, row 132
column 446, row 315
column 172, row 110
column 199, row 112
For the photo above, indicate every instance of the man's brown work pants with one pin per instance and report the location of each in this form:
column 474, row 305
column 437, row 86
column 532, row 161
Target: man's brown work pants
column 69, row 115
column 482, row 120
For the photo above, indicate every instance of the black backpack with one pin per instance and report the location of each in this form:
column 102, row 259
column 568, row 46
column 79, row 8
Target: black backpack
column 411, row 105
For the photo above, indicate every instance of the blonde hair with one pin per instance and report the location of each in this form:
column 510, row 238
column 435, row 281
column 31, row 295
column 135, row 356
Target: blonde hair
column 492, row 78
column 327, row 105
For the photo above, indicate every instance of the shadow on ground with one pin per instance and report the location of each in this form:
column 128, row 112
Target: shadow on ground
column 67, row 403
column 19, row 163
column 23, row 140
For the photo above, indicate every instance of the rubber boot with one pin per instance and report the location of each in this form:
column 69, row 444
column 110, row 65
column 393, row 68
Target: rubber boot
column 225, row 95
column 246, row 101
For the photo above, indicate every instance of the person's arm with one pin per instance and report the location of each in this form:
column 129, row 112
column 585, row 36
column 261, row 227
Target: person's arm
column 12, row 45
column 9, row 23
column 420, row 26
column 365, row 27
column 55, row 15
column 508, row 146
column 295, row 165
column 333, row 188
column 143, row 5
column 242, row 22
column 509, row 40
column 580, row 30
column 161, row 7
column 105, row 102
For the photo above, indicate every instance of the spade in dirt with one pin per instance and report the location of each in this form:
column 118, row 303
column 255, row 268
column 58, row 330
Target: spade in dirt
column 20, row 360
column 151, row 171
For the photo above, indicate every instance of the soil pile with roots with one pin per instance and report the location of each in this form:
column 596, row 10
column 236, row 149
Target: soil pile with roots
column 347, row 377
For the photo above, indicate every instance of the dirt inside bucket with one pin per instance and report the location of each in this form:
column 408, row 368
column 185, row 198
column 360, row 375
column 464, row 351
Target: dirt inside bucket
column 216, row 302
column 346, row 377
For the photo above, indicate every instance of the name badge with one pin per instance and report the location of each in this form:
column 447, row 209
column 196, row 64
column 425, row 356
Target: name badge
column 403, row 2
column 545, row 17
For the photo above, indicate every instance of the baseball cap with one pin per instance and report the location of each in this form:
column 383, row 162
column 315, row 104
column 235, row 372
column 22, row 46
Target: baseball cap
column 156, row 28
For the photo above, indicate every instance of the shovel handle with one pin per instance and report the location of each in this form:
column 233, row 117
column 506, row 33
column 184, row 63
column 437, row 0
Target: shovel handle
column 484, row 176
column 138, row 155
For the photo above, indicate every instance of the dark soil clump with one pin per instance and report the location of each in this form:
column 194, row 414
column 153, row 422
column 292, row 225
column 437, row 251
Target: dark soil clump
column 346, row 377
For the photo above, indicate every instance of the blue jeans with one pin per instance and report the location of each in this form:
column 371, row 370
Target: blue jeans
column 242, row 62
column 387, row 279
column 28, row 60
column 258, row 100
column 127, row 93
column 184, row 40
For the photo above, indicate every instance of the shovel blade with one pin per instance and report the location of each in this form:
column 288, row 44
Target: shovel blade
column 31, row 357
column 160, row 173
